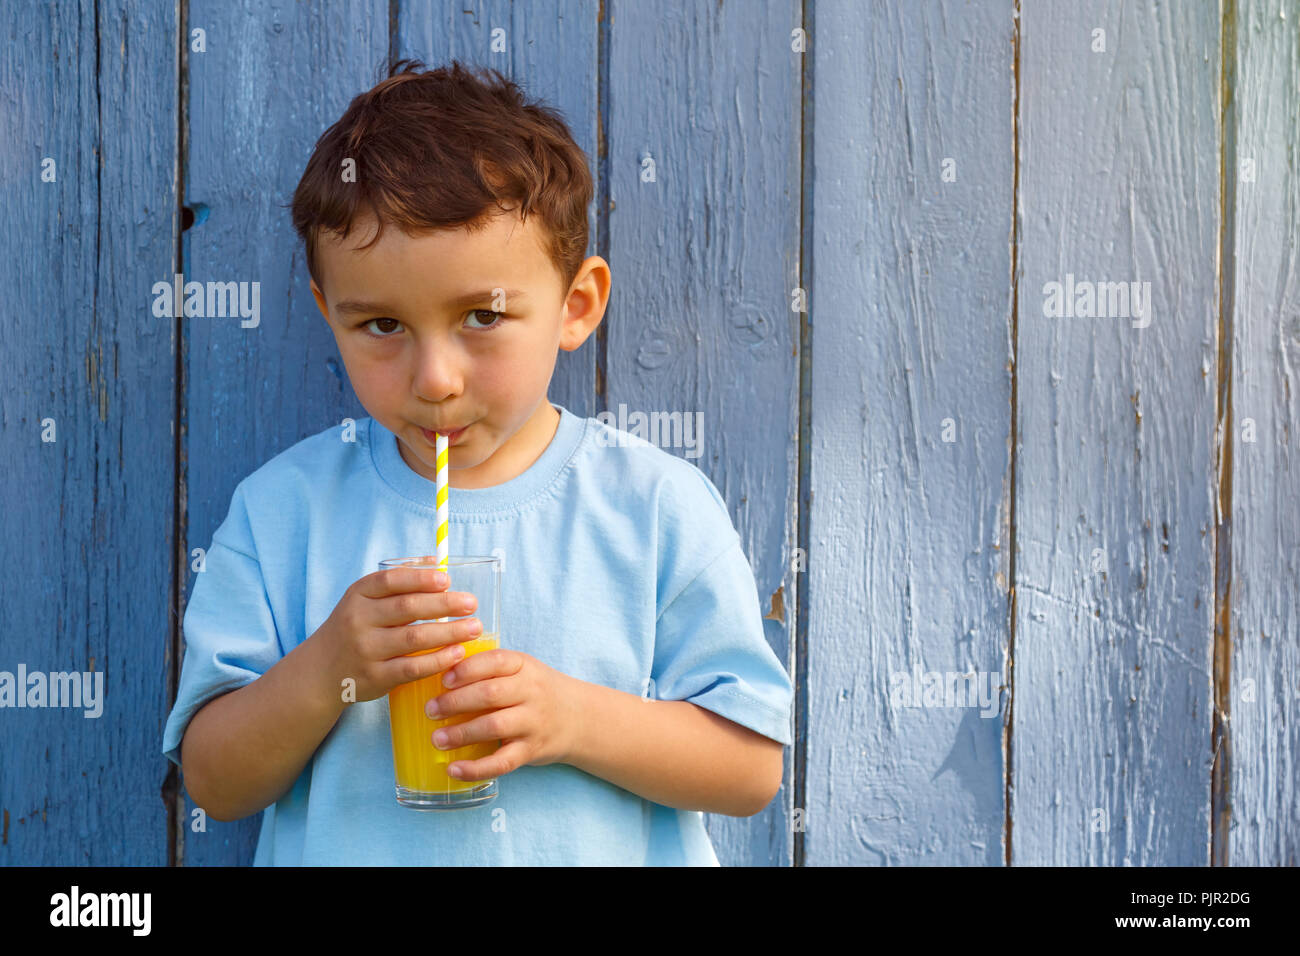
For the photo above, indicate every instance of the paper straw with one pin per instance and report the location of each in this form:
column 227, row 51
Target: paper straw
column 440, row 496
column 440, row 447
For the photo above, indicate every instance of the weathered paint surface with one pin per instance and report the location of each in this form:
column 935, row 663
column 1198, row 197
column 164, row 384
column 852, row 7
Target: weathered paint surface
column 86, row 522
column 1264, row 817
column 1115, row 462
column 1108, row 508
column 911, row 310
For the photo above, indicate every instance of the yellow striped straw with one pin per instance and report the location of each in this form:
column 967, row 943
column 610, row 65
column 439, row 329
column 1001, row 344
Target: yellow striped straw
column 440, row 446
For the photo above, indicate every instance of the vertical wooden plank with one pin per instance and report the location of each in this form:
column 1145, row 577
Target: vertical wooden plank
column 86, row 561
column 911, row 407
column 1264, row 737
column 705, row 260
column 549, row 48
column 1116, row 489
column 270, row 82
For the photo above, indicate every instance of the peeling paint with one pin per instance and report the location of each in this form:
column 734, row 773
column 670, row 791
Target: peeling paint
column 778, row 606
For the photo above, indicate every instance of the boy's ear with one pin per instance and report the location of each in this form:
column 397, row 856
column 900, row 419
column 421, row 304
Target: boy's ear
column 320, row 300
column 584, row 304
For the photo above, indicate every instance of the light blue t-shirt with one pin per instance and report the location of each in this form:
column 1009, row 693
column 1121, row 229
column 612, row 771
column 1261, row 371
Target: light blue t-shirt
column 622, row 568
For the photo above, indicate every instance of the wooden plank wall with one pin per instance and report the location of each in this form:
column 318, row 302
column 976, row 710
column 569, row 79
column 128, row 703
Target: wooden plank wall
column 87, row 464
column 1260, row 824
column 911, row 396
column 1087, row 522
column 1114, row 520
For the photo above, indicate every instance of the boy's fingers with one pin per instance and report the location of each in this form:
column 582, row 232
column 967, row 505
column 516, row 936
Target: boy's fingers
column 390, row 581
column 493, row 725
column 507, row 758
column 409, row 638
column 403, row 595
column 403, row 669
column 482, row 665
column 398, row 609
column 487, row 694
column 493, row 663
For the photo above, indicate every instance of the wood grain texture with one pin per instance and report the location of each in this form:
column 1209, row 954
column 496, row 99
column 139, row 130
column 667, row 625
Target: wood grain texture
column 550, row 49
column 272, row 80
column 985, row 484
column 85, row 566
column 1264, row 719
column 1115, row 474
column 705, row 259
column 911, row 405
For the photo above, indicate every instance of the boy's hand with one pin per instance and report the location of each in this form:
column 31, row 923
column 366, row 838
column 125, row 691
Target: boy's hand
column 532, row 709
column 371, row 628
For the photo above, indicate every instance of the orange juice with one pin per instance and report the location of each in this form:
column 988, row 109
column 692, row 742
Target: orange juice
column 419, row 765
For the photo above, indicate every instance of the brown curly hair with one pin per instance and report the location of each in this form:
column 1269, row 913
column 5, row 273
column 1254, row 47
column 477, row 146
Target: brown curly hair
column 435, row 149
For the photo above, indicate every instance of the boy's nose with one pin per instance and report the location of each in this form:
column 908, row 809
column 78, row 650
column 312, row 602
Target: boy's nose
column 438, row 375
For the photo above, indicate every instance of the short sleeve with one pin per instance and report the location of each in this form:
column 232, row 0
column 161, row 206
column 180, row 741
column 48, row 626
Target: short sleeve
column 229, row 630
column 710, row 650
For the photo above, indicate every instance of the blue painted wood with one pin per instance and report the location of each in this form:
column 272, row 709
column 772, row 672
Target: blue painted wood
column 912, row 172
column 86, row 534
column 1263, row 824
column 1115, row 479
column 272, row 80
column 705, row 259
column 1080, row 440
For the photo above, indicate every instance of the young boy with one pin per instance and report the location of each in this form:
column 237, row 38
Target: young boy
column 633, row 687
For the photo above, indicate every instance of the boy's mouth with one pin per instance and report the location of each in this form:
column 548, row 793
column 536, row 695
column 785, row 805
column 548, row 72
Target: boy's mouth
column 452, row 437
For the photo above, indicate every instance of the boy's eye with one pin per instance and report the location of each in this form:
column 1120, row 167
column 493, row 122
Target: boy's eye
column 495, row 325
column 384, row 336
column 388, row 330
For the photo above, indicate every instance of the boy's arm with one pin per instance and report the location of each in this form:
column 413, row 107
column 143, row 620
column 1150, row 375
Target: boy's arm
column 243, row 750
column 675, row 753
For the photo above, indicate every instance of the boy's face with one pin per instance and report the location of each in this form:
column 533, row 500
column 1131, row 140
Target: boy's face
column 428, row 343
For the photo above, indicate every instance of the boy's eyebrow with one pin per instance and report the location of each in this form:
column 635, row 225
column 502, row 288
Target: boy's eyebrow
column 460, row 301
